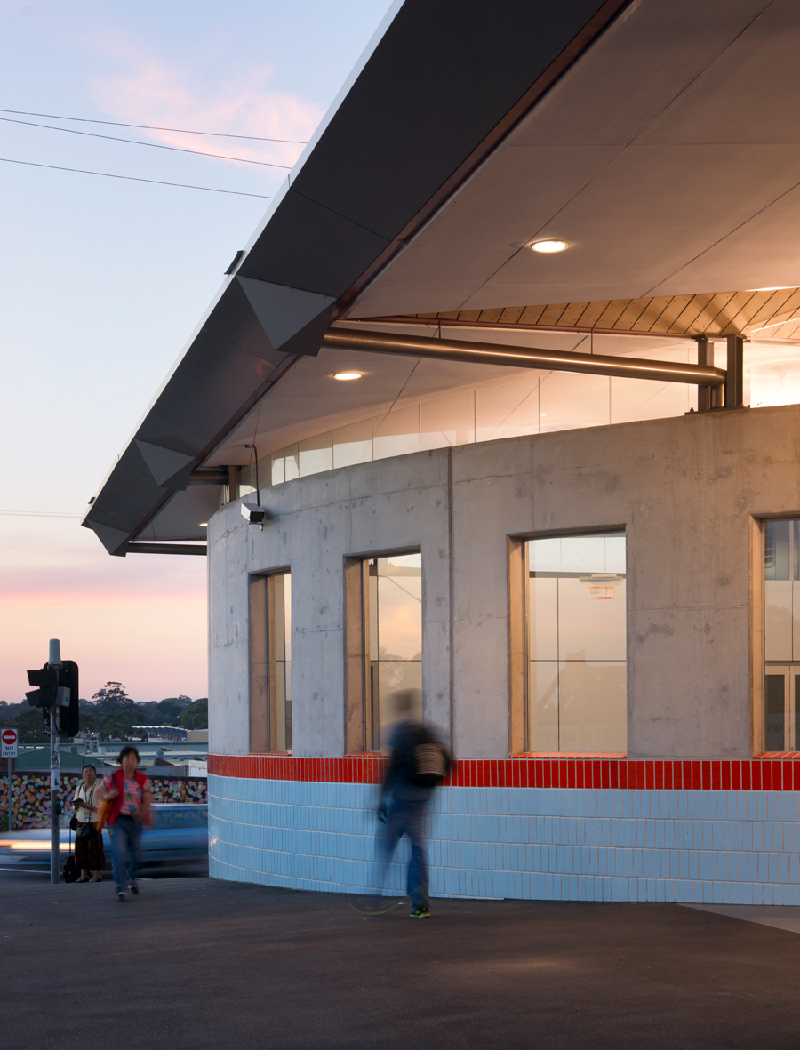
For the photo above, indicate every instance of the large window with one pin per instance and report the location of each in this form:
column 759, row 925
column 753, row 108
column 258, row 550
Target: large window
column 781, row 635
column 384, row 612
column 271, row 662
column 576, row 643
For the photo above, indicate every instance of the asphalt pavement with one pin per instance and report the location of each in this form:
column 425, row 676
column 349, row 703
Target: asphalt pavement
column 197, row 963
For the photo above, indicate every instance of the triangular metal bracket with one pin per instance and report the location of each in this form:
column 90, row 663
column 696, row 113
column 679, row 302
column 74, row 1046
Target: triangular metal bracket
column 165, row 465
column 283, row 312
column 114, row 540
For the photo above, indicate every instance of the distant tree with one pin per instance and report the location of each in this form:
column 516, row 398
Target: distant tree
column 166, row 713
column 115, row 713
column 8, row 712
column 30, row 724
column 112, row 697
column 119, row 726
column 87, row 722
column 182, row 700
column 196, row 715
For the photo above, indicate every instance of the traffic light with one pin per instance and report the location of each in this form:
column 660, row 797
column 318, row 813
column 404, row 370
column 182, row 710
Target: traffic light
column 68, row 678
column 46, row 681
column 57, row 686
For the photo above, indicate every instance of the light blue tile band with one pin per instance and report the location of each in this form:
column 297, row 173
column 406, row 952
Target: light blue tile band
column 733, row 847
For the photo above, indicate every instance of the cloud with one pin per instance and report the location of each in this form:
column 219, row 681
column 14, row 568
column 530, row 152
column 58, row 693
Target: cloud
column 148, row 90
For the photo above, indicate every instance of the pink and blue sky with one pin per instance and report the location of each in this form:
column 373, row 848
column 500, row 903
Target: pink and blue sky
column 103, row 280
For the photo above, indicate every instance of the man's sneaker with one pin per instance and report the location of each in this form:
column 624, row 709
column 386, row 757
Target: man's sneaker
column 422, row 912
column 134, row 887
column 120, row 896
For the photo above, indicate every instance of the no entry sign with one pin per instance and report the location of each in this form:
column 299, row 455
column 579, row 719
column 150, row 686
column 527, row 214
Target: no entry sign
column 9, row 739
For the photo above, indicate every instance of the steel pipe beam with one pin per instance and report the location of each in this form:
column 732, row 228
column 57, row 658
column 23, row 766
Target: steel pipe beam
column 734, row 385
column 506, row 326
column 146, row 547
column 522, row 356
column 209, row 476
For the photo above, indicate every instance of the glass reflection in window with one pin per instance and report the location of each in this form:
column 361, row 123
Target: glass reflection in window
column 395, row 639
column 577, row 643
column 781, row 634
column 280, row 659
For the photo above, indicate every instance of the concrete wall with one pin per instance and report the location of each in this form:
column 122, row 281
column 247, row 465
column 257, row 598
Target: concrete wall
column 686, row 490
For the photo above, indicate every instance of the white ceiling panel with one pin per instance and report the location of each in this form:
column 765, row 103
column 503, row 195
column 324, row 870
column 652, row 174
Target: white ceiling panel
column 665, row 140
column 748, row 94
column 638, row 67
column 505, row 204
column 761, row 253
column 650, row 212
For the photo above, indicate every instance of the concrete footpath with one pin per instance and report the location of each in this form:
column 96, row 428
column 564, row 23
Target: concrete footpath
column 196, row 963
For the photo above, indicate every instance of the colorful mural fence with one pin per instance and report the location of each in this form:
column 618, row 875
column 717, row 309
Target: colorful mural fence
column 32, row 795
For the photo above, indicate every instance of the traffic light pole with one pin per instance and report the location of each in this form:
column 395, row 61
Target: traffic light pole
column 57, row 696
column 55, row 775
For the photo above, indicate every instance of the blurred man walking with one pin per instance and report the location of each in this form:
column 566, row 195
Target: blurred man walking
column 418, row 763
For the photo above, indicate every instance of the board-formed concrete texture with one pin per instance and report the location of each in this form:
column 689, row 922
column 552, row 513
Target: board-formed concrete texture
column 689, row 493
column 686, row 491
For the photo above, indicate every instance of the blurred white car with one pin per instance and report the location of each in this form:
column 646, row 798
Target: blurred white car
column 179, row 835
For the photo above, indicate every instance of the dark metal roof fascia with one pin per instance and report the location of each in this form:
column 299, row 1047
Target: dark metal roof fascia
column 231, row 363
column 444, row 84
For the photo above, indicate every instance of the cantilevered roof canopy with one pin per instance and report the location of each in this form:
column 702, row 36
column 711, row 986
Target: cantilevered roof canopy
column 658, row 140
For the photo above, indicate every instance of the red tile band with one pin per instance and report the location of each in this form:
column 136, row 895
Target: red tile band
column 767, row 772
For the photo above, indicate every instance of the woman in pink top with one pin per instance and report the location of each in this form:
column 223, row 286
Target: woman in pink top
column 129, row 797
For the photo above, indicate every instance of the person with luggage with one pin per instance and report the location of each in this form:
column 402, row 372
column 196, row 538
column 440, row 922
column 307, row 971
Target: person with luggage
column 418, row 763
column 89, row 855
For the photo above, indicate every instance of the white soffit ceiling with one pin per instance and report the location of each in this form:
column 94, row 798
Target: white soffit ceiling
column 668, row 157
column 308, row 401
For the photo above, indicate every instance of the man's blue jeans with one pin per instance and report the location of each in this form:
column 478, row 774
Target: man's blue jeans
column 125, row 835
column 406, row 818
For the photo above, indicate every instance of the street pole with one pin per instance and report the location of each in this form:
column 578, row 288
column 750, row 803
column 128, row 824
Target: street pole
column 55, row 775
column 11, row 794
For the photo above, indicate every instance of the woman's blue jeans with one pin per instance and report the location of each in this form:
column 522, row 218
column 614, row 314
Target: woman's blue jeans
column 125, row 835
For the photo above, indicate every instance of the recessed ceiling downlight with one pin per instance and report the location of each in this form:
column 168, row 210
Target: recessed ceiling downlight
column 549, row 247
column 345, row 377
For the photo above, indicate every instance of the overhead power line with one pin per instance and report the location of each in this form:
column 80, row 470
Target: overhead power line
column 154, row 127
column 139, row 142
column 134, row 178
column 36, row 514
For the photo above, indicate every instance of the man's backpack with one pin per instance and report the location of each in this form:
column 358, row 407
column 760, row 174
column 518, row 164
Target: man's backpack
column 429, row 766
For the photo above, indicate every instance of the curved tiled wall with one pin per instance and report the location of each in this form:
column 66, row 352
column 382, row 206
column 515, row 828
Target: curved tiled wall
column 737, row 844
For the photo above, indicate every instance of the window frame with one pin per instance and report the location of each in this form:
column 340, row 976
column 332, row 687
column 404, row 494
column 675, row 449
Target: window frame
column 758, row 646
column 263, row 623
column 359, row 705
column 519, row 637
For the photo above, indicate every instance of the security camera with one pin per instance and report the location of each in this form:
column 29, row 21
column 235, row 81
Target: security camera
column 254, row 514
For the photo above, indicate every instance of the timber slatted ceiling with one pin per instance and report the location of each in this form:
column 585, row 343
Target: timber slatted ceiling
column 755, row 314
